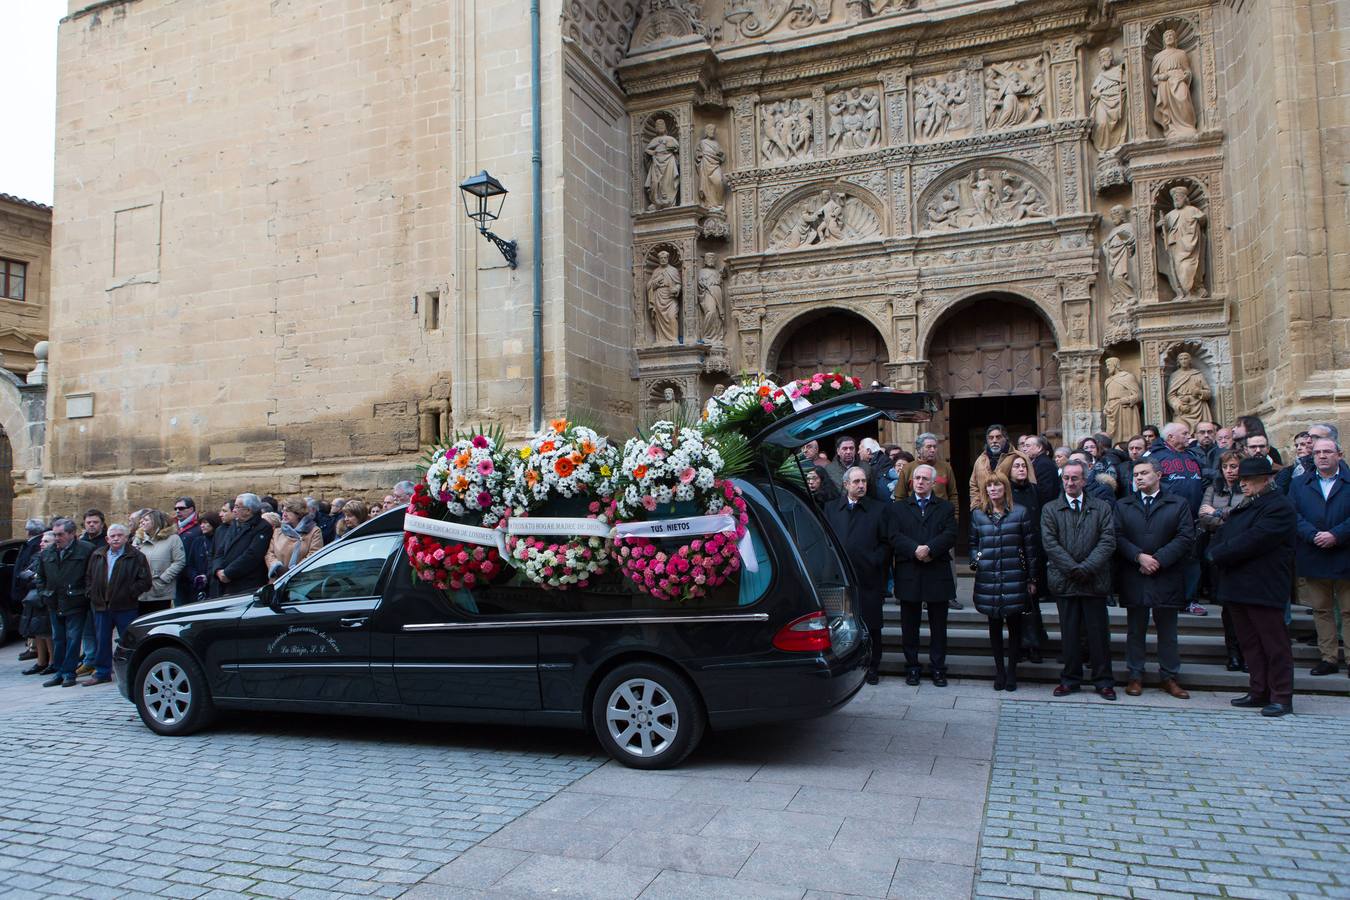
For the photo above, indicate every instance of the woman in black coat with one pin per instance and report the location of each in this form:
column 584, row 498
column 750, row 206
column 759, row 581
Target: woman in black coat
column 1003, row 550
column 1026, row 494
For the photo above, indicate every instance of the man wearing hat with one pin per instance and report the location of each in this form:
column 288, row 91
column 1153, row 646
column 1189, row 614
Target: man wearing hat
column 1253, row 553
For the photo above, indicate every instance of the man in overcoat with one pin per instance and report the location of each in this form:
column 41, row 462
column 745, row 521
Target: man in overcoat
column 118, row 575
column 1154, row 537
column 866, row 528
column 1253, row 554
column 64, row 588
column 240, row 563
column 925, row 533
column 1322, row 500
column 1078, row 536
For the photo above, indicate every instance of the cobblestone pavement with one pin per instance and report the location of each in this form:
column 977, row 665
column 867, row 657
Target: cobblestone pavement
column 1149, row 802
column 93, row 804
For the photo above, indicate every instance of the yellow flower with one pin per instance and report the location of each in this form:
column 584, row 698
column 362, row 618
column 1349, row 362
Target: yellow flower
column 524, row 452
column 605, row 471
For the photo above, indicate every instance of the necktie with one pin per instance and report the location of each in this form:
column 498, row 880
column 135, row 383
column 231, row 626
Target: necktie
column 1075, row 504
column 1148, row 503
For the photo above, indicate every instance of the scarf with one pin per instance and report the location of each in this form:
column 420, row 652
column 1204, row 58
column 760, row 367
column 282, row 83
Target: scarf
column 994, row 458
column 299, row 545
column 189, row 522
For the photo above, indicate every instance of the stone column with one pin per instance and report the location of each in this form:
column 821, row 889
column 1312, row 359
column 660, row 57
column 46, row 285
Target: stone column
column 1079, row 375
column 975, row 93
column 818, row 104
column 895, row 84
column 742, row 149
column 1062, row 85
column 1151, row 361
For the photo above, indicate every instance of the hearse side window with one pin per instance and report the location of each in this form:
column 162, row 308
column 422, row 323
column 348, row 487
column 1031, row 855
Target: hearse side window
column 616, row 594
column 808, row 533
column 351, row 569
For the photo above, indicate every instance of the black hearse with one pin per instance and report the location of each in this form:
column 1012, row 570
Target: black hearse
column 350, row 632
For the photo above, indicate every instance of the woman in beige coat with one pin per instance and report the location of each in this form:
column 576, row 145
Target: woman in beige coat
column 158, row 539
column 295, row 539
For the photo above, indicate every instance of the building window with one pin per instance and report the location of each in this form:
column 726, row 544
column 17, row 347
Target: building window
column 13, row 274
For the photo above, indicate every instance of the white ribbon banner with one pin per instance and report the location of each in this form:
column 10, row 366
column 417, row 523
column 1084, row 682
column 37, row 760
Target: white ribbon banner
column 454, row 531
column 557, row 526
column 692, row 525
column 798, row 403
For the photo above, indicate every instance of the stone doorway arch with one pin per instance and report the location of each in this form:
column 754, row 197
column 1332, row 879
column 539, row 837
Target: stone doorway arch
column 993, row 359
column 831, row 340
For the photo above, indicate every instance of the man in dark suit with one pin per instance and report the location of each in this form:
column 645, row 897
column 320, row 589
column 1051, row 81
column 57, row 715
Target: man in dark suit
column 240, row 563
column 1154, row 538
column 925, row 533
column 866, row 528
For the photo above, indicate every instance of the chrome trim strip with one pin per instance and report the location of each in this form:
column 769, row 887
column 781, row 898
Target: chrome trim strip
column 236, row 667
column 407, row 665
column 573, row 623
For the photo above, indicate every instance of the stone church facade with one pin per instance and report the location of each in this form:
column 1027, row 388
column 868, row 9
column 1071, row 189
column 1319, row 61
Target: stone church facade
column 983, row 198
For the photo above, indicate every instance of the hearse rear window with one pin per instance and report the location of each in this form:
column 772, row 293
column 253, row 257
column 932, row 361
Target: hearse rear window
column 616, row 593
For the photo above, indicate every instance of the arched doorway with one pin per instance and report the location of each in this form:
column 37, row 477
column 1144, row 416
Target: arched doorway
column 834, row 341
column 993, row 361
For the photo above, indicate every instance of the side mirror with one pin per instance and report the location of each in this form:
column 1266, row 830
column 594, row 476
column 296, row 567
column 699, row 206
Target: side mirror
column 267, row 595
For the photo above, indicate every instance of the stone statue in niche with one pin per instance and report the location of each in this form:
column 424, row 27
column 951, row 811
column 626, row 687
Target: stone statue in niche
column 1121, row 405
column 976, row 202
column 710, row 157
column 1188, row 394
column 663, row 169
column 1184, row 237
column 785, row 129
column 663, row 300
column 1014, row 93
column 830, row 217
column 1118, row 249
column 712, row 324
column 940, row 107
column 1106, row 105
column 855, row 121
column 671, row 409
column 1173, row 109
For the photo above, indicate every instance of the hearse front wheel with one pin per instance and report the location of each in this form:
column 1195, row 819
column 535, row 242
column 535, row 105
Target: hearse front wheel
column 647, row 716
column 171, row 693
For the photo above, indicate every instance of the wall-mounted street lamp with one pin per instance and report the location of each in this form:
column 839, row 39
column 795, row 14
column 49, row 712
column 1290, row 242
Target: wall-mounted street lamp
column 483, row 200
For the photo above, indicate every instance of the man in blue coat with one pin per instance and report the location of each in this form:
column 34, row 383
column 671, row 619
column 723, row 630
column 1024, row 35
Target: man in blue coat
column 1322, row 554
column 1183, row 474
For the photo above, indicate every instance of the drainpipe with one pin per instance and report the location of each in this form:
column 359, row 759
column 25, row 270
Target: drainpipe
column 537, row 165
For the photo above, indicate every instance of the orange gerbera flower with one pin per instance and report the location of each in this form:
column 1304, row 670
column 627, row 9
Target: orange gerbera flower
column 563, row 466
column 462, row 459
column 764, row 390
column 547, row 447
column 558, row 425
column 640, row 472
column 531, row 477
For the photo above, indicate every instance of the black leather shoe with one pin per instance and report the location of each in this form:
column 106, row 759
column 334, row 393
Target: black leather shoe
column 54, row 681
column 1324, row 668
column 35, row 670
column 912, row 677
column 1247, row 701
column 50, row 670
column 1106, row 693
column 1000, row 681
column 1035, row 656
column 873, row 678
column 27, row 655
column 1234, row 664
column 939, row 679
column 1275, row 710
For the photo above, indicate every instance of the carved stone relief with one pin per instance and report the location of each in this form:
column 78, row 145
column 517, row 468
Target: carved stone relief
column 1107, row 103
column 829, row 217
column 602, row 31
column 1182, row 232
column 1189, row 393
column 978, row 200
column 756, row 18
column 786, row 131
column 942, row 106
column 663, row 21
column 855, row 120
column 1014, row 93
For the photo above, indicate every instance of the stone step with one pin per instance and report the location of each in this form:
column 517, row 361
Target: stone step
column 1193, row 675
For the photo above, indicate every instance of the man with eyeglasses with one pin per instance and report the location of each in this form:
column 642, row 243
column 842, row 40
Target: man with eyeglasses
column 191, row 584
column 240, row 562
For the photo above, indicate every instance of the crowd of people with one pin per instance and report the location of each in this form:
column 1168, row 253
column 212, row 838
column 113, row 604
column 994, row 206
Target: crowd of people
column 1155, row 523
column 77, row 583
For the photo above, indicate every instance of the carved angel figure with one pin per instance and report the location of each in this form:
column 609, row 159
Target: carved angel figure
column 1014, row 94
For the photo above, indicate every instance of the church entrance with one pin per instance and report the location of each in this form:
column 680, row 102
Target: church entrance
column 833, row 341
column 993, row 361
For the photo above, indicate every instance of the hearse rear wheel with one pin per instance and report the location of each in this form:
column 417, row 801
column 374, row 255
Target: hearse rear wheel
column 647, row 716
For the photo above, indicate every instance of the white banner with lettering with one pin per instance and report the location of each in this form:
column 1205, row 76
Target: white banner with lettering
column 692, row 525
column 798, row 403
column 454, row 531
column 557, row 526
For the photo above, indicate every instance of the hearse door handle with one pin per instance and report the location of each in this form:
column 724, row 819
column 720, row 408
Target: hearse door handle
column 353, row 621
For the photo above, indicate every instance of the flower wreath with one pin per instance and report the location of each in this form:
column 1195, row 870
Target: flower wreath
column 822, row 386
column 746, row 406
column 462, row 483
column 564, row 461
column 672, row 468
